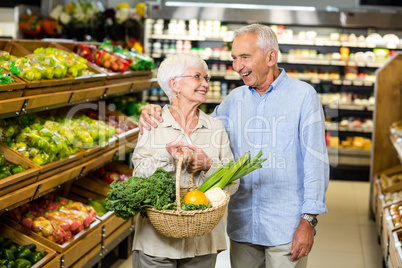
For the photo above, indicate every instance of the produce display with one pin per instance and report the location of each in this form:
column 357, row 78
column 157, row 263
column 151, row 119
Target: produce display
column 392, row 197
column 8, row 169
column 36, row 66
column 5, row 78
column 396, row 214
column 115, row 58
column 128, row 198
column 128, row 106
column 47, row 139
column 117, row 122
column 55, row 218
column 76, row 66
column 99, row 206
column 387, row 181
column 110, row 176
column 18, row 256
column 46, row 63
column 396, row 128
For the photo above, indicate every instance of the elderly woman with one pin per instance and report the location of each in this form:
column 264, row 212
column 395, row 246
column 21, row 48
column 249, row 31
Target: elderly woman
column 203, row 142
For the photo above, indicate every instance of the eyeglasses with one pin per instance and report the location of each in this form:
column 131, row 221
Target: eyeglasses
column 197, row 77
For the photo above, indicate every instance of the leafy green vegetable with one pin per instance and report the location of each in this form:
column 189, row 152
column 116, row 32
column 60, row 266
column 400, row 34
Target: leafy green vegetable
column 190, row 206
column 227, row 174
column 127, row 198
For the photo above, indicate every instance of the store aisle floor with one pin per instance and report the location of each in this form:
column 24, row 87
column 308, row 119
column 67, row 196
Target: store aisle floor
column 345, row 238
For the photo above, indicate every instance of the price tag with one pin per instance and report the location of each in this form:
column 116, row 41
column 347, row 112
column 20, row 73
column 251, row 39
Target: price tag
column 347, row 82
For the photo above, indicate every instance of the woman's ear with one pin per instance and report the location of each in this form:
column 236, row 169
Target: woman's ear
column 272, row 57
column 174, row 85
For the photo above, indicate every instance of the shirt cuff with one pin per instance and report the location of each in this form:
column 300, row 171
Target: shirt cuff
column 314, row 207
column 216, row 163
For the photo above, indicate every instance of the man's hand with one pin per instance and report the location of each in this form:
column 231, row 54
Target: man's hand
column 145, row 119
column 303, row 240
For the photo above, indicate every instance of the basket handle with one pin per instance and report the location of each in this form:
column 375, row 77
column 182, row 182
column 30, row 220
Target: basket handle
column 178, row 174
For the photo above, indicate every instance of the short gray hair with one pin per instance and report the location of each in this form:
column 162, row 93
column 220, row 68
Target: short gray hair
column 266, row 37
column 175, row 66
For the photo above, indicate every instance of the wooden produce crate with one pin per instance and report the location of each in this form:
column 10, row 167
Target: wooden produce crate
column 21, row 239
column 53, row 245
column 55, row 262
column 49, row 184
column 80, row 109
column 126, row 136
column 100, row 159
column 379, row 202
column 395, row 250
column 19, row 180
column 18, row 197
column 83, row 248
column 55, row 166
column 93, row 187
column 11, row 106
column 94, row 80
column 40, row 86
column 129, row 76
column 17, row 84
column 387, row 228
column 6, row 95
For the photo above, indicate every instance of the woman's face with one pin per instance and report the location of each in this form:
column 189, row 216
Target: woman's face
column 193, row 86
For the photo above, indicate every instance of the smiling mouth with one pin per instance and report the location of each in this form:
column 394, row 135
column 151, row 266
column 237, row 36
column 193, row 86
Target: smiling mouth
column 245, row 74
column 201, row 91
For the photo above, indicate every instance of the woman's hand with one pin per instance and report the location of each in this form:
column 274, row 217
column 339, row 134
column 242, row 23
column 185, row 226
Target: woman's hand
column 176, row 149
column 199, row 161
column 145, row 119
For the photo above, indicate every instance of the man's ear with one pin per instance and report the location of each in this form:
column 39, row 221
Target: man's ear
column 272, row 57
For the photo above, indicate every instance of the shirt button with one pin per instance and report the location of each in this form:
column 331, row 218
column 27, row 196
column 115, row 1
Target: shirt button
column 256, row 186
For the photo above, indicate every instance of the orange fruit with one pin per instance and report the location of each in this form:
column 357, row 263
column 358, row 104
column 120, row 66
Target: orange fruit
column 195, row 197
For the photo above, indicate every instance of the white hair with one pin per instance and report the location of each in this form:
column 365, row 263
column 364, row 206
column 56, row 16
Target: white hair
column 175, row 66
column 266, row 37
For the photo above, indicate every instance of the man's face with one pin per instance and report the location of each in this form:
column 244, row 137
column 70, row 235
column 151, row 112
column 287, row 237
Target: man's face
column 249, row 61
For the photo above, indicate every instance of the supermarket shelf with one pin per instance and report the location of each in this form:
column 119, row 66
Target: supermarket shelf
column 329, row 62
column 299, row 42
column 397, row 143
column 349, row 156
column 336, row 127
column 41, row 102
column 351, row 107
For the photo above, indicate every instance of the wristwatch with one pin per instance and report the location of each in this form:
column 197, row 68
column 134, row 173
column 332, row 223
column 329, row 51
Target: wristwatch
column 311, row 220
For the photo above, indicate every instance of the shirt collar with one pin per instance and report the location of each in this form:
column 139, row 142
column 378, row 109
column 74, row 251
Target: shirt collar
column 168, row 119
column 277, row 82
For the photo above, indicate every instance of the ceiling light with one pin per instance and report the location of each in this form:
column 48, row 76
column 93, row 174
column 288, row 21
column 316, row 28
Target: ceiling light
column 238, row 6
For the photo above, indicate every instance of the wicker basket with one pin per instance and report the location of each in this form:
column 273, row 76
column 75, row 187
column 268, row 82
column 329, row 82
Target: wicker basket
column 183, row 224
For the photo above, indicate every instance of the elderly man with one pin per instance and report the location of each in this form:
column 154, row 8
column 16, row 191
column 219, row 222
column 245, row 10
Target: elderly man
column 272, row 216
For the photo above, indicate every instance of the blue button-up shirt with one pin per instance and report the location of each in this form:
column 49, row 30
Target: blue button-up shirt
column 287, row 123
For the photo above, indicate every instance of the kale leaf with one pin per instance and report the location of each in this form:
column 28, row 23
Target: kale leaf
column 126, row 198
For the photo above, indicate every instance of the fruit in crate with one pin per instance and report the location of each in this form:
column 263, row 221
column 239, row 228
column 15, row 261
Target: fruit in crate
column 45, row 140
column 99, row 206
column 110, row 176
column 55, row 218
column 8, row 169
column 36, row 67
column 117, row 122
column 76, row 65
